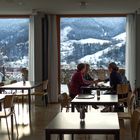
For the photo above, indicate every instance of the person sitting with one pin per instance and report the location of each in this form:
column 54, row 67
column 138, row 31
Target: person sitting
column 77, row 81
column 88, row 77
column 114, row 78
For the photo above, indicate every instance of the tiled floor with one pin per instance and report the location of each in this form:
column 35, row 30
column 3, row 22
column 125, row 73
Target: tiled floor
column 40, row 118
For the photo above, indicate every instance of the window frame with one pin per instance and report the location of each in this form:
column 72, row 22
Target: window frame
column 58, row 17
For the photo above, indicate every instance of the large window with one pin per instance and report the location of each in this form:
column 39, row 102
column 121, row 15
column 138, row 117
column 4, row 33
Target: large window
column 93, row 40
column 14, row 44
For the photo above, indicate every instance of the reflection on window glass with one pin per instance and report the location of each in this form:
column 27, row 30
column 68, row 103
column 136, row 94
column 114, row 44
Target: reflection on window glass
column 14, row 44
column 96, row 41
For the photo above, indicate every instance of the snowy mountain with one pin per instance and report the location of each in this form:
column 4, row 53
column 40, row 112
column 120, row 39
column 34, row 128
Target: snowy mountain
column 92, row 41
column 14, row 42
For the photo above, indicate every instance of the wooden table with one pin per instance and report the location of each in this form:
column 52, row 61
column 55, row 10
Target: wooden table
column 104, row 100
column 29, row 85
column 95, row 123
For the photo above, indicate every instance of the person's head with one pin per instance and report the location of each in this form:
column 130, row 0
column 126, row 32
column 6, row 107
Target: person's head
column 87, row 67
column 112, row 67
column 122, row 71
column 81, row 67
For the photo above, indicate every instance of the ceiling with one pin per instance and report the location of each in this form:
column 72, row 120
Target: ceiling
column 8, row 7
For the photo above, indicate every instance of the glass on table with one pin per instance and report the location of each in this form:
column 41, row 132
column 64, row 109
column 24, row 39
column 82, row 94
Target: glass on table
column 98, row 94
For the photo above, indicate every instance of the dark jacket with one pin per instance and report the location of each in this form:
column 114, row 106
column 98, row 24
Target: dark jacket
column 115, row 79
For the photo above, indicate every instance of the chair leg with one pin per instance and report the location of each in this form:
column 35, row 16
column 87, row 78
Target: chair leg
column 61, row 109
column 16, row 124
column 7, row 128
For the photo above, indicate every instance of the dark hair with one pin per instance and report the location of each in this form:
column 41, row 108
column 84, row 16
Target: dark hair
column 113, row 66
column 87, row 65
column 80, row 66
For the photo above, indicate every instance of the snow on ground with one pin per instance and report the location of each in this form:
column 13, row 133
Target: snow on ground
column 18, row 64
column 95, row 57
column 64, row 88
column 121, row 36
column 91, row 41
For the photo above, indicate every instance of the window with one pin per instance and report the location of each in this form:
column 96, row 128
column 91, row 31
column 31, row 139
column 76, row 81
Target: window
column 93, row 40
column 14, row 44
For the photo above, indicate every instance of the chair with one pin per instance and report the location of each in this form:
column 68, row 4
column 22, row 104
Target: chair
column 130, row 107
column 64, row 101
column 122, row 91
column 8, row 106
column 135, row 124
column 42, row 91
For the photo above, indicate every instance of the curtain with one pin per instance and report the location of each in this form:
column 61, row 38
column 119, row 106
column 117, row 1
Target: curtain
column 52, row 59
column 45, row 47
column 131, row 49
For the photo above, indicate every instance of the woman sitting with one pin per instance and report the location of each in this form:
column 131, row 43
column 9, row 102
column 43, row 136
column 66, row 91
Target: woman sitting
column 115, row 77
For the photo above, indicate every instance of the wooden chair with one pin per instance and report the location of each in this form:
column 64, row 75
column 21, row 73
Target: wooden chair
column 130, row 107
column 135, row 125
column 42, row 92
column 64, row 101
column 8, row 106
column 122, row 91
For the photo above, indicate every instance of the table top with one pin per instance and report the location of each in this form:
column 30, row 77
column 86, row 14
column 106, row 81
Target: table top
column 20, row 85
column 104, row 99
column 91, row 87
column 93, row 121
column 2, row 96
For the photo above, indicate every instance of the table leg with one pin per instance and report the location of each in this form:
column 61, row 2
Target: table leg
column 0, row 106
column 72, row 136
column 29, row 100
column 61, row 137
column 47, row 136
column 12, row 127
column 72, row 107
column 117, row 136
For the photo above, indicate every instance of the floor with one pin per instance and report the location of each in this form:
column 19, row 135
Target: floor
column 41, row 116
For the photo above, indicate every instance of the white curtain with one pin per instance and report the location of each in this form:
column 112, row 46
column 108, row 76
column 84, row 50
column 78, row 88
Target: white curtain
column 131, row 49
column 53, row 59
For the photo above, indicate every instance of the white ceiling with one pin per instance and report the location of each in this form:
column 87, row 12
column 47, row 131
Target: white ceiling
column 68, row 6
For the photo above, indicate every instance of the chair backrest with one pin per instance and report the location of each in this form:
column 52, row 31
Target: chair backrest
column 45, row 85
column 13, row 81
column 130, row 102
column 135, row 124
column 8, row 101
column 122, row 89
column 63, row 99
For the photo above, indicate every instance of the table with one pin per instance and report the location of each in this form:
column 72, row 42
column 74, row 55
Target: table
column 95, row 123
column 104, row 100
column 20, row 86
column 91, row 87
